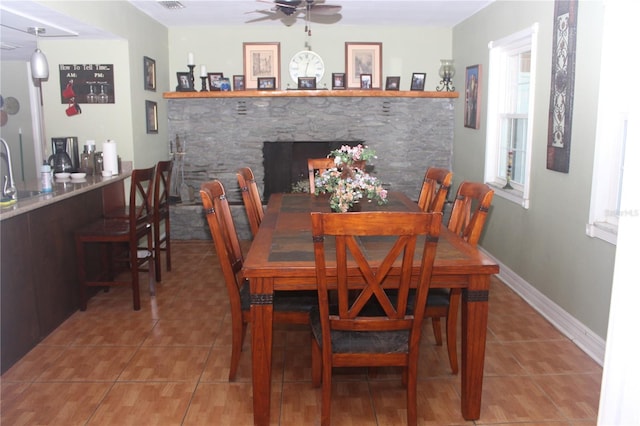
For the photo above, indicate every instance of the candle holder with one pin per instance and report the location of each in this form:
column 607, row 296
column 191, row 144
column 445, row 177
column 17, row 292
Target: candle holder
column 203, row 88
column 509, row 169
column 446, row 71
column 191, row 77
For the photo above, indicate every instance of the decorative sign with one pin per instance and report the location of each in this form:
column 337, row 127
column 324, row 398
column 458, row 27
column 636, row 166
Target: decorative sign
column 87, row 84
column 562, row 82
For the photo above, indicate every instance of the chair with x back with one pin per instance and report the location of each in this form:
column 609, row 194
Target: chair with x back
column 289, row 306
column 435, row 188
column 115, row 232
column 372, row 324
column 318, row 165
column 161, row 215
column 250, row 198
column 468, row 217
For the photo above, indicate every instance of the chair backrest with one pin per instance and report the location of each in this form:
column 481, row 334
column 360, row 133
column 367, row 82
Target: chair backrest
column 470, row 208
column 320, row 165
column 435, row 188
column 250, row 198
column 161, row 186
column 140, row 200
column 389, row 261
column 225, row 238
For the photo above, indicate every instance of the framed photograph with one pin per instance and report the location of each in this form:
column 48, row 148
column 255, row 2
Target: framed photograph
column 238, row 82
column 151, row 112
column 266, row 83
column 363, row 58
column 417, row 80
column 306, row 83
column 338, row 80
column 184, row 82
column 393, row 83
column 261, row 60
column 365, row 81
column 149, row 67
column 472, row 97
column 215, row 78
column 225, row 84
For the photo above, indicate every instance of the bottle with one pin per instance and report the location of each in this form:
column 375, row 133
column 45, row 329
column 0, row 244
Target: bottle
column 86, row 162
column 45, row 175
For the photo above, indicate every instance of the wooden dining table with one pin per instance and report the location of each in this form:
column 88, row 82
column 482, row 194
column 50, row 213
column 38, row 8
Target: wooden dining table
column 281, row 258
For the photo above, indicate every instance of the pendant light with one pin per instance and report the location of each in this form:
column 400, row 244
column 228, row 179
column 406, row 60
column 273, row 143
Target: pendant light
column 39, row 64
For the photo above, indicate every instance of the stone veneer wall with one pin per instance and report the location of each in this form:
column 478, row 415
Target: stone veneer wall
column 224, row 134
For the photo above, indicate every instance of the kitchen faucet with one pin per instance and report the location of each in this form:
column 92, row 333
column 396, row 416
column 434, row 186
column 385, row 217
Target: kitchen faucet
column 8, row 186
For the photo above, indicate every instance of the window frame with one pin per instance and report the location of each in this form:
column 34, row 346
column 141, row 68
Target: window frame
column 499, row 51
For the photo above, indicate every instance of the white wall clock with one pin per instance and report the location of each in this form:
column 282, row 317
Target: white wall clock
column 306, row 64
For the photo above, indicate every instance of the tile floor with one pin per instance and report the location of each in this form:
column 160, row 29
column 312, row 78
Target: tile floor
column 168, row 364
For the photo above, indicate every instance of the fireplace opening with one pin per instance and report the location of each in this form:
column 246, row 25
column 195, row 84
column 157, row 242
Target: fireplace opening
column 285, row 163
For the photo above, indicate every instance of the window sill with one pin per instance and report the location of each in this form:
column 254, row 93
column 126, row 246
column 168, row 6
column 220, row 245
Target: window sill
column 603, row 231
column 512, row 195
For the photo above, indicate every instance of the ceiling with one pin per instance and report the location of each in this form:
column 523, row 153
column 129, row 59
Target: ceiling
column 16, row 16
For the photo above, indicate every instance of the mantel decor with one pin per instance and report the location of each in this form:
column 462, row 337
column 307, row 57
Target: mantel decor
column 562, row 85
column 363, row 58
column 261, row 60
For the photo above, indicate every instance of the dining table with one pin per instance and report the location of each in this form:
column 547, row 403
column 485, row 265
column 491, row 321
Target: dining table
column 281, row 257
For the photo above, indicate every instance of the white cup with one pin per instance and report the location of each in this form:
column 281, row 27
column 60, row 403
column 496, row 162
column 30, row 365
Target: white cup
column 106, row 173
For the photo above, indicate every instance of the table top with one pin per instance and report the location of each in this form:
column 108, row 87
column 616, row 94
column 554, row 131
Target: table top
column 283, row 247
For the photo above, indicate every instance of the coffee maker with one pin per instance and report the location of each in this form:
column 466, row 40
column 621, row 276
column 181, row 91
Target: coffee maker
column 65, row 154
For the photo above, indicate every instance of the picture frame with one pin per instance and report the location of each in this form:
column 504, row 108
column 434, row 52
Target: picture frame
column 338, row 80
column 261, row 60
column 306, row 83
column 151, row 114
column 266, row 83
column 417, row 80
column 225, row 84
column 365, row 81
column 184, row 82
column 214, row 79
column 472, row 104
column 149, row 68
column 363, row 58
column 238, row 82
column 393, row 83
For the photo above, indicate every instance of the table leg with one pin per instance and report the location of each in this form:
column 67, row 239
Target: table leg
column 261, row 346
column 475, row 311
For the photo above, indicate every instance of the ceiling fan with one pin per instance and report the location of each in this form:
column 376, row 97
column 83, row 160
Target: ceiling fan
column 286, row 10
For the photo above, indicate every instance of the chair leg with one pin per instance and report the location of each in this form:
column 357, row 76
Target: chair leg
column 412, row 399
column 325, row 419
column 135, row 272
column 437, row 330
column 157, row 241
column 451, row 329
column 167, row 242
column 316, row 363
column 238, row 331
column 80, row 265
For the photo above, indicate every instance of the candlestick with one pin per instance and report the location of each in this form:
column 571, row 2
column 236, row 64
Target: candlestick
column 203, row 71
column 204, row 83
column 193, row 80
column 509, row 167
column 191, row 61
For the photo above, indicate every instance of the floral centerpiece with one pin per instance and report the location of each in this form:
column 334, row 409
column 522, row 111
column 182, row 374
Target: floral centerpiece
column 347, row 183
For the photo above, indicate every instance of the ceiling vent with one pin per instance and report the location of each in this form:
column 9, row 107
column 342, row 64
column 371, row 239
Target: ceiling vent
column 172, row 5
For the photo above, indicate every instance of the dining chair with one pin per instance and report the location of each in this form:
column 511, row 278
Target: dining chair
column 435, row 188
column 161, row 215
column 250, row 198
column 468, row 216
column 135, row 232
column 378, row 327
column 318, row 165
column 290, row 307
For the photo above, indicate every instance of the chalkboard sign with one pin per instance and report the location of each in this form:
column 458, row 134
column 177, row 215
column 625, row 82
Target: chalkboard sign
column 87, row 83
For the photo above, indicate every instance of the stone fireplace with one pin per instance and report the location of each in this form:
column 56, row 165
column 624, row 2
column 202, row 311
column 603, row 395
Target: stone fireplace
column 221, row 134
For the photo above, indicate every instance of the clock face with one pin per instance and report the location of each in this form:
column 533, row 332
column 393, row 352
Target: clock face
column 306, row 64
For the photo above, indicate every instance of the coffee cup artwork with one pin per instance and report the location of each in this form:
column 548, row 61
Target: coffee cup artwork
column 70, row 96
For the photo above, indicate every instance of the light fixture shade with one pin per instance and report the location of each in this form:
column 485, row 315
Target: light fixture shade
column 39, row 65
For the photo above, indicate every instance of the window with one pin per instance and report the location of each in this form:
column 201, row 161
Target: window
column 611, row 133
column 512, row 64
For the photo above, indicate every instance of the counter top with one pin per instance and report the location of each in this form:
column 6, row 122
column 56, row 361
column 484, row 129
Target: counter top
column 62, row 190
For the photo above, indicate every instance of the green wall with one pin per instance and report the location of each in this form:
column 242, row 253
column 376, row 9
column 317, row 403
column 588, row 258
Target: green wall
column 545, row 245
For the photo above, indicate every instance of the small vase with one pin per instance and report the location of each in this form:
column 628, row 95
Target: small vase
column 356, row 207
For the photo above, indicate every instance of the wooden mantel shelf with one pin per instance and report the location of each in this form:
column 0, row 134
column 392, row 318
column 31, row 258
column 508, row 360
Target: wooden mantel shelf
column 310, row 93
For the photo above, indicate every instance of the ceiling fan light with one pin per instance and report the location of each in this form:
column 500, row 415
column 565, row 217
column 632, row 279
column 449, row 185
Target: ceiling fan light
column 39, row 65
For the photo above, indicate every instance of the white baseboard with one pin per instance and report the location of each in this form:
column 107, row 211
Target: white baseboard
column 592, row 344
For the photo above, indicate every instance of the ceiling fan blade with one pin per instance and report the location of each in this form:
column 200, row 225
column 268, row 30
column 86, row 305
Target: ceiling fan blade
column 325, row 9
